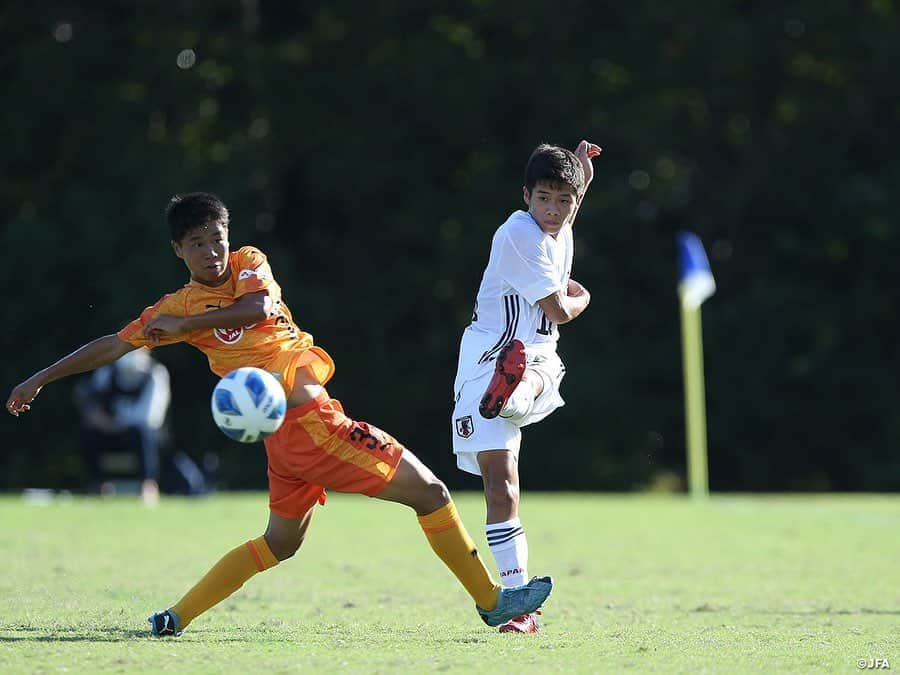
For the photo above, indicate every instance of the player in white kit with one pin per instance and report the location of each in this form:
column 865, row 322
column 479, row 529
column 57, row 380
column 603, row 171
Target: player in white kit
column 509, row 372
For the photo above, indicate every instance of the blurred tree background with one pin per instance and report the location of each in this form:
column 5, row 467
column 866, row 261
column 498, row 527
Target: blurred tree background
column 371, row 149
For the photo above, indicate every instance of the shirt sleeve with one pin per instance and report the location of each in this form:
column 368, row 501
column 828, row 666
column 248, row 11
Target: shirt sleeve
column 133, row 333
column 525, row 264
column 254, row 274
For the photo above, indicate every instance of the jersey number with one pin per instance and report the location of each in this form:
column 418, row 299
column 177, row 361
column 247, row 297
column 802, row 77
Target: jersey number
column 546, row 326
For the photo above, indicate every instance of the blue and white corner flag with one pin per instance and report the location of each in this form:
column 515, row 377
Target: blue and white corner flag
column 696, row 282
column 695, row 285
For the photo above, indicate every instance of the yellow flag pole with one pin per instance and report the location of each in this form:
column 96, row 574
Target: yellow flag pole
column 694, row 400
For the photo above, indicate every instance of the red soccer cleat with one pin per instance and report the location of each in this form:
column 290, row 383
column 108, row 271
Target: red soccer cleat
column 527, row 623
column 508, row 372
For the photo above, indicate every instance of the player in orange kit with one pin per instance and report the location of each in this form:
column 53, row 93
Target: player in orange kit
column 232, row 311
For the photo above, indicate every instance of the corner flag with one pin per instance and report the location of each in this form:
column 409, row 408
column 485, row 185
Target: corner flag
column 695, row 285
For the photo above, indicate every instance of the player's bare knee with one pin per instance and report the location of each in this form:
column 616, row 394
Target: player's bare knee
column 283, row 547
column 434, row 496
column 441, row 493
column 288, row 550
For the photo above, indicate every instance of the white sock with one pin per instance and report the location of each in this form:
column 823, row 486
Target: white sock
column 510, row 548
column 519, row 403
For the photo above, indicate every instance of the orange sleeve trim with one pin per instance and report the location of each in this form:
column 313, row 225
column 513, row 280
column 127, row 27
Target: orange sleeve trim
column 319, row 361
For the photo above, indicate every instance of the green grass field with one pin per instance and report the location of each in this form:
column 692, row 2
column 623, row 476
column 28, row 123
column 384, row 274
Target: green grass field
column 643, row 583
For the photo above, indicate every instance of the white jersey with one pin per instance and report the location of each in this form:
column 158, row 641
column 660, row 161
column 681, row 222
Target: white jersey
column 526, row 264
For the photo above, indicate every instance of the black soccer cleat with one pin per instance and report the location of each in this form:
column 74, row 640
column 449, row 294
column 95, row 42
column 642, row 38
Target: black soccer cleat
column 164, row 624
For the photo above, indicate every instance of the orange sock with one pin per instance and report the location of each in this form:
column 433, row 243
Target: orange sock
column 453, row 545
column 226, row 576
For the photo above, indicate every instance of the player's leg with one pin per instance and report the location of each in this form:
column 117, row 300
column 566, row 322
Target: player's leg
column 500, row 475
column 489, row 447
column 283, row 537
column 544, row 375
column 503, row 529
column 92, row 447
column 521, row 401
column 416, row 486
column 319, row 442
column 536, row 397
column 147, row 439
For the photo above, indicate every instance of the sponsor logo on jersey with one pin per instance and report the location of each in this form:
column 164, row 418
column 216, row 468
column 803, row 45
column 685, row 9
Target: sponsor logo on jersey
column 464, row 426
column 231, row 335
column 228, row 335
column 246, row 274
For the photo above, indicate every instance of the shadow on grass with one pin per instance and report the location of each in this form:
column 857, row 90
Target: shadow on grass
column 824, row 611
column 13, row 634
column 28, row 633
column 831, row 611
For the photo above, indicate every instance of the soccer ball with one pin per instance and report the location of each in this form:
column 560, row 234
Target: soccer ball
column 248, row 404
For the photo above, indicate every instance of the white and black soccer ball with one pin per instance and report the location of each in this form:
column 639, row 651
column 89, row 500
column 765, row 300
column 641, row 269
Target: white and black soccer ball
column 248, row 404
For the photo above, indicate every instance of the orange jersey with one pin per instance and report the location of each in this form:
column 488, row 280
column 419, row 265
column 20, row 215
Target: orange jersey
column 276, row 344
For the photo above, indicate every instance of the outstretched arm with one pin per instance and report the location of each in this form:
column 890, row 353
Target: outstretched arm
column 585, row 152
column 249, row 308
column 94, row 354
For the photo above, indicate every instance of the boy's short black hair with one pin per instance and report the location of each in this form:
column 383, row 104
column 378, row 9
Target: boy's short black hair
column 553, row 164
column 194, row 209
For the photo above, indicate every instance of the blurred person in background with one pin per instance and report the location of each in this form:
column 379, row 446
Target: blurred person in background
column 123, row 408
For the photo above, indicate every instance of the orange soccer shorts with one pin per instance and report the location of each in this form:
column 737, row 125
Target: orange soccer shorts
column 319, row 447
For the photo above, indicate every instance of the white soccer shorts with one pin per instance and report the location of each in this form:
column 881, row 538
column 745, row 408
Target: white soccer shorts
column 472, row 433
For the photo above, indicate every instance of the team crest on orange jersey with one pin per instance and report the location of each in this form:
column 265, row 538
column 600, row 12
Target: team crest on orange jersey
column 231, row 335
column 228, row 335
column 464, row 426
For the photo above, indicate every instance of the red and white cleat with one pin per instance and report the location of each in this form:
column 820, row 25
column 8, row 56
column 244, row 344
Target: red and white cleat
column 527, row 623
column 508, row 372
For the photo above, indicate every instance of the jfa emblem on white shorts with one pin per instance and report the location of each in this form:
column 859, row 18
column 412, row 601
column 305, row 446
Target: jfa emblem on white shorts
column 464, row 426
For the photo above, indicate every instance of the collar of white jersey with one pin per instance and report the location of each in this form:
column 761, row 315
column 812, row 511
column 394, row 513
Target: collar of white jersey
column 521, row 214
